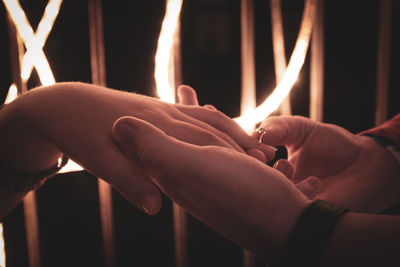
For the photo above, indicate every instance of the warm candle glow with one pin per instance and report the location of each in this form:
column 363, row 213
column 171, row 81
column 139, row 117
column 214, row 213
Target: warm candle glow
column 251, row 117
column 162, row 73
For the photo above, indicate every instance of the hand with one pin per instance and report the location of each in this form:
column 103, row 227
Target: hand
column 240, row 197
column 76, row 119
column 354, row 170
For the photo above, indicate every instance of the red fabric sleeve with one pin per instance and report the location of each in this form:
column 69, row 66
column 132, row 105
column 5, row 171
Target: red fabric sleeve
column 389, row 130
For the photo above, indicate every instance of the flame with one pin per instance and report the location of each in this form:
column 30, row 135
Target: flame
column 252, row 117
column 163, row 69
column 2, row 248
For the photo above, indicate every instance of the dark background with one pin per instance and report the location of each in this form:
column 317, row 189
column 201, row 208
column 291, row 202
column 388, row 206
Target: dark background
column 68, row 205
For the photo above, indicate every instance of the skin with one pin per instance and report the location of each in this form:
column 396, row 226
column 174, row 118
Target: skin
column 75, row 119
column 240, row 197
column 247, row 201
column 355, row 171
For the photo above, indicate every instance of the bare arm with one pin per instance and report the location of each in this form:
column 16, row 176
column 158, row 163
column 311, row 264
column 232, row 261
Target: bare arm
column 75, row 119
column 251, row 203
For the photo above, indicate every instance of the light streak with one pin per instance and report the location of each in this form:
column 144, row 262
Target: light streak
column 251, row 117
column 34, row 42
column 165, row 87
column 12, row 94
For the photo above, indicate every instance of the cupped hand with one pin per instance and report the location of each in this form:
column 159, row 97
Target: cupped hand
column 355, row 171
column 240, row 197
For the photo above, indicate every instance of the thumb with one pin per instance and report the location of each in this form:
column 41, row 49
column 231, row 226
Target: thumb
column 151, row 146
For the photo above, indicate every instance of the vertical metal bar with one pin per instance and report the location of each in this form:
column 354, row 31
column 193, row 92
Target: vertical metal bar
column 2, row 248
column 30, row 209
column 32, row 229
column 248, row 99
column 98, row 68
column 248, row 95
column 317, row 65
column 278, row 42
column 383, row 61
column 180, row 235
column 179, row 215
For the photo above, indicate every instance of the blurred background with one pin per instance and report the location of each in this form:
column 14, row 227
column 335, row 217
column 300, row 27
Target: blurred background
column 69, row 220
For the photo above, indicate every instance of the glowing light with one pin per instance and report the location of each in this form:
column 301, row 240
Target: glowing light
column 12, row 94
column 34, row 42
column 2, row 248
column 252, row 117
column 165, row 87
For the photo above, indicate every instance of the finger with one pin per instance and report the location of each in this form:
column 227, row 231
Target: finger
column 285, row 130
column 151, row 145
column 285, row 167
column 224, row 124
column 210, row 107
column 258, row 154
column 191, row 133
column 208, row 128
column 310, row 186
column 127, row 177
column 187, row 95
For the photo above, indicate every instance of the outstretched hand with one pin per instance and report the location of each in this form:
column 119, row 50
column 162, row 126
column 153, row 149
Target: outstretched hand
column 355, row 171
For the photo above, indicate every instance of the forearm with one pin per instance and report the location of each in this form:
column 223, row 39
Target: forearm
column 365, row 240
column 23, row 150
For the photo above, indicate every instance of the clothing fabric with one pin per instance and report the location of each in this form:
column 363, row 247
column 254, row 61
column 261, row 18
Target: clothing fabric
column 389, row 130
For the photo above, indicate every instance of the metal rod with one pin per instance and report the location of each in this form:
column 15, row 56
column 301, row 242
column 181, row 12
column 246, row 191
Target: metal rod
column 180, row 236
column 248, row 98
column 383, row 62
column 317, row 65
column 98, row 67
column 32, row 229
column 278, row 42
column 30, row 208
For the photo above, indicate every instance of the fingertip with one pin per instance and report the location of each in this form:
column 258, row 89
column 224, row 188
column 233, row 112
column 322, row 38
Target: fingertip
column 210, row 107
column 258, row 154
column 187, row 95
column 310, row 186
column 285, row 167
column 150, row 203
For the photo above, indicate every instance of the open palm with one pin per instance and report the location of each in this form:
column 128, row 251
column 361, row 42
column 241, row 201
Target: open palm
column 355, row 171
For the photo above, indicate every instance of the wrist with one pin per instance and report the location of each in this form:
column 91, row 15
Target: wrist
column 23, row 147
column 309, row 238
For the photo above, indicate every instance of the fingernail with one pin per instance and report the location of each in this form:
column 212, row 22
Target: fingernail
column 148, row 202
